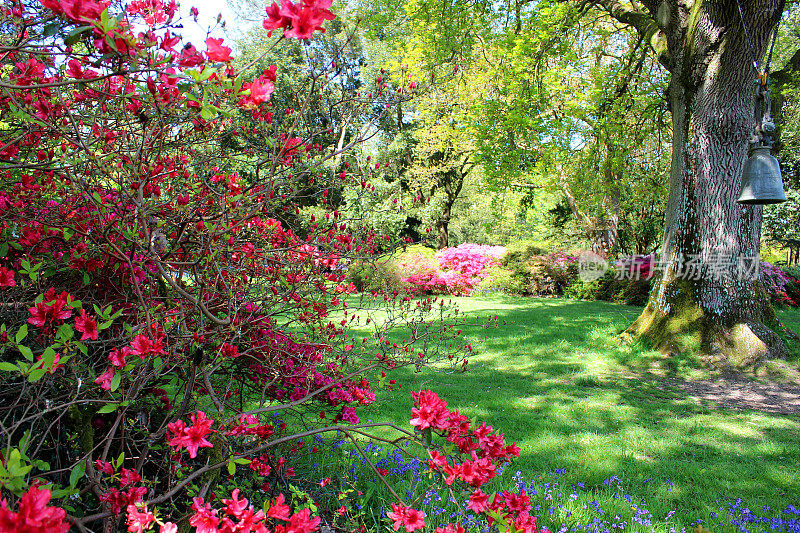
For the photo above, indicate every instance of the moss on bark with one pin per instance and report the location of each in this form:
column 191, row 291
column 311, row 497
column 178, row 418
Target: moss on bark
column 683, row 325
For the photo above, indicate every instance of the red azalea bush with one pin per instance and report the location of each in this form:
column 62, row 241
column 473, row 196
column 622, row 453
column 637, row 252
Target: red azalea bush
column 465, row 456
column 164, row 295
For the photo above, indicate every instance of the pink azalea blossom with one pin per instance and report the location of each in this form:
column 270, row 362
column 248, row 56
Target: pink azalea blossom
column 104, row 379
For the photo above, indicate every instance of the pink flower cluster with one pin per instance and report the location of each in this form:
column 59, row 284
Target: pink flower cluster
column 299, row 20
column 237, row 516
column 33, row 515
column 191, row 437
column 460, row 269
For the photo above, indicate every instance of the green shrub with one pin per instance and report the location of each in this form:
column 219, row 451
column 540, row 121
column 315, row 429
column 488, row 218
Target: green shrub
column 610, row 289
column 582, row 290
column 503, row 280
column 380, row 274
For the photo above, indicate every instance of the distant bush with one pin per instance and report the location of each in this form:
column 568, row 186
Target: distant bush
column 612, row 288
column 583, row 290
column 782, row 287
column 501, row 279
column 379, row 274
column 530, row 270
column 457, row 270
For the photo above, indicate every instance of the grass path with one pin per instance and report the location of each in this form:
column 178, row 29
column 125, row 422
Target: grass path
column 555, row 379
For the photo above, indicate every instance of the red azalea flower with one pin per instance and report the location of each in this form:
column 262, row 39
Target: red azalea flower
column 302, row 522
column 451, row 528
column 216, row 52
column 139, row 521
column 235, row 506
column 86, row 325
column 104, row 467
column 204, row 518
column 260, row 91
column 129, row 477
column 431, row 411
column 279, row 510
column 478, row 501
column 104, row 379
column 192, row 437
column 7, row 277
column 118, row 355
column 33, row 515
column 39, row 314
column 411, row 519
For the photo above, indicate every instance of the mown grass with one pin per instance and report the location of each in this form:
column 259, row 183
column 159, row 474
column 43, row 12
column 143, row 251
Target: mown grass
column 556, row 379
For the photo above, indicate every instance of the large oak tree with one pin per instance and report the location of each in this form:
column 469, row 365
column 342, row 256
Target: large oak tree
column 703, row 295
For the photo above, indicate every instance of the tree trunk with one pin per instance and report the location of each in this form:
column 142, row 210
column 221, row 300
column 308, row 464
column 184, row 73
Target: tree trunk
column 708, row 294
column 442, row 229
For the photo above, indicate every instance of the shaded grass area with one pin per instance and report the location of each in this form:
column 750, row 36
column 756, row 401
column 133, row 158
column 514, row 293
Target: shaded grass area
column 554, row 377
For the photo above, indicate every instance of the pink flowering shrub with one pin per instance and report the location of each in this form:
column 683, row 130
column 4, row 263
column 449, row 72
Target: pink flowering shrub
column 457, row 270
column 163, row 299
column 782, row 287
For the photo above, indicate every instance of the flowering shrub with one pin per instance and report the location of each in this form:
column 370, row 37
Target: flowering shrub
column 635, row 267
column 528, row 269
column 782, row 287
column 460, row 269
column 164, row 294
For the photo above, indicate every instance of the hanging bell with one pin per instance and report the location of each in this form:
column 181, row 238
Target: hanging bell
column 761, row 178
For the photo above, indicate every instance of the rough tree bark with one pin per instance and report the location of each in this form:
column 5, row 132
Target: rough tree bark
column 703, row 298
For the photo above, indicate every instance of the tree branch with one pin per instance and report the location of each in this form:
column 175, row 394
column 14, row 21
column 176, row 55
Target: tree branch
column 644, row 24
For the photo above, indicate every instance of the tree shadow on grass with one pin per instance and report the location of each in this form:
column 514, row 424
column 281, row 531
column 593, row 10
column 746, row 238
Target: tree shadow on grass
column 555, row 379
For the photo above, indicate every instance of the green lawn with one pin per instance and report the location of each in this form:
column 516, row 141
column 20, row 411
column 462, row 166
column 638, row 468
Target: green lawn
column 554, row 377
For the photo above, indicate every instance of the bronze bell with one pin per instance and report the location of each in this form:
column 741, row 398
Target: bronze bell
column 761, row 178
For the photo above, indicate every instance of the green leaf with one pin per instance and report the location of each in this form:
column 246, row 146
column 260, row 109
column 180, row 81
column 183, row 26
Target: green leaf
column 50, row 30
column 22, row 333
column 3, row 249
column 9, row 367
column 108, row 408
column 57, row 494
column 115, row 381
column 65, row 332
column 207, row 112
column 206, row 73
column 26, row 352
column 231, row 468
column 36, row 374
column 427, row 436
column 77, row 473
column 118, row 461
column 48, row 358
